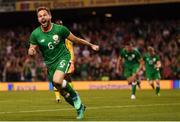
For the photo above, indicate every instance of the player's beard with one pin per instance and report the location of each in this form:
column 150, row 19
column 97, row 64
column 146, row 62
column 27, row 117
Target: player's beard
column 45, row 23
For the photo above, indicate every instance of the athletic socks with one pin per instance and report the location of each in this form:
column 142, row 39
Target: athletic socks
column 133, row 88
column 157, row 89
column 68, row 89
column 68, row 99
column 138, row 83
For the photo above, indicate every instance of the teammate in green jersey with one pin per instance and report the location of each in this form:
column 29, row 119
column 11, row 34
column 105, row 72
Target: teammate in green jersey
column 50, row 38
column 152, row 65
column 132, row 64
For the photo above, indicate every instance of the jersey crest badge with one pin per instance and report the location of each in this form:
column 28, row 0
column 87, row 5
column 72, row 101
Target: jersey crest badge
column 56, row 39
column 133, row 56
column 154, row 59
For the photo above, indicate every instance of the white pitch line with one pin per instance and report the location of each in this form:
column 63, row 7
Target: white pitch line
column 134, row 106
column 92, row 108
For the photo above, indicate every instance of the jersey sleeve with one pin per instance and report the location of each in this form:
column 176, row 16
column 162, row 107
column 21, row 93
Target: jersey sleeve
column 144, row 57
column 65, row 32
column 158, row 58
column 69, row 46
column 32, row 39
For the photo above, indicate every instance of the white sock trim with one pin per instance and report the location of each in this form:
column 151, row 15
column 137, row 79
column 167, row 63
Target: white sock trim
column 134, row 83
column 64, row 83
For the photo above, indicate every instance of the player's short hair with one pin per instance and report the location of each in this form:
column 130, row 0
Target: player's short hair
column 43, row 8
column 150, row 48
column 129, row 43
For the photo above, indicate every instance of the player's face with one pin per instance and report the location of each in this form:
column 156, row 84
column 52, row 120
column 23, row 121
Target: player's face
column 151, row 52
column 44, row 18
column 129, row 48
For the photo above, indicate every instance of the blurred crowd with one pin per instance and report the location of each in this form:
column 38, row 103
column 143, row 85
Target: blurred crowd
column 164, row 36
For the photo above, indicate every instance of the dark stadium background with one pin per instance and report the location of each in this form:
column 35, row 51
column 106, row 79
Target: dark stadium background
column 164, row 11
column 150, row 13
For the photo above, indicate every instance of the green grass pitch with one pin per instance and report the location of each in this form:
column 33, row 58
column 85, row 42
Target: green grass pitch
column 102, row 105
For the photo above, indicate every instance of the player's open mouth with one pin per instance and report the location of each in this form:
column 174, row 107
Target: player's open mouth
column 44, row 23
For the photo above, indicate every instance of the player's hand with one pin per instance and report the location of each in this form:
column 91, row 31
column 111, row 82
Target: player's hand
column 32, row 51
column 95, row 47
column 158, row 65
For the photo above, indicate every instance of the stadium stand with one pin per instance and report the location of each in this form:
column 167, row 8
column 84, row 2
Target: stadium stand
column 109, row 33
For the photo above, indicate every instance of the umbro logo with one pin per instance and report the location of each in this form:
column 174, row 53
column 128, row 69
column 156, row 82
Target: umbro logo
column 42, row 40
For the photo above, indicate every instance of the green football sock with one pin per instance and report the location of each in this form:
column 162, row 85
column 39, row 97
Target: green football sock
column 67, row 97
column 69, row 100
column 157, row 89
column 133, row 88
column 69, row 89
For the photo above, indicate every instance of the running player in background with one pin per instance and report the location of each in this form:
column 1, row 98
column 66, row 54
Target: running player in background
column 132, row 63
column 67, row 77
column 50, row 39
column 152, row 68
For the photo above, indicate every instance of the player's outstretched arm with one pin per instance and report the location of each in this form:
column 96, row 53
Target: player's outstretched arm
column 75, row 39
column 32, row 50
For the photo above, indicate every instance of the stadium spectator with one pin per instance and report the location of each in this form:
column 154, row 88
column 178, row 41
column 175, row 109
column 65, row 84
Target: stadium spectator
column 162, row 35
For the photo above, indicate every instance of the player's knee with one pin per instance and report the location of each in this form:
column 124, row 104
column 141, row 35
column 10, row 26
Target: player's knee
column 150, row 82
column 134, row 81
column 57, row 80
column 157, row 82
column 58, row 77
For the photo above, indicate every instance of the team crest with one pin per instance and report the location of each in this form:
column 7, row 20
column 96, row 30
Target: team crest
column 133, row 56
column 56, row 39
column 151, row 62
column 154, row 59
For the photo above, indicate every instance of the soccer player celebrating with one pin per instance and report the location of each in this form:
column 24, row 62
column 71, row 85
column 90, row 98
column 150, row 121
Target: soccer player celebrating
column 152, row 66
column 132, row 65
column 50, row 38
column 69, row 46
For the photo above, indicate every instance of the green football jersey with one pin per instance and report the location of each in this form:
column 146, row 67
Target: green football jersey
column 51, row 43
column 150, row 62
column 130, row 58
